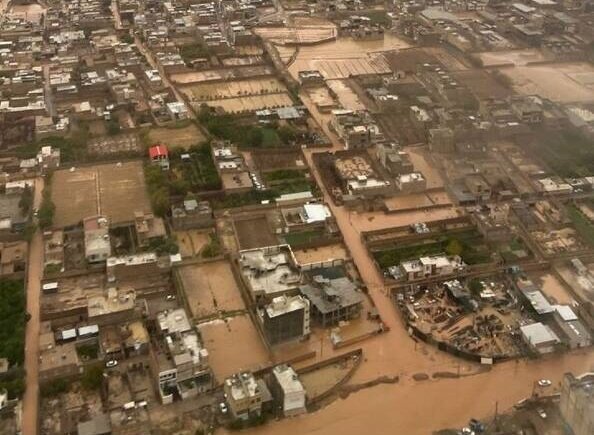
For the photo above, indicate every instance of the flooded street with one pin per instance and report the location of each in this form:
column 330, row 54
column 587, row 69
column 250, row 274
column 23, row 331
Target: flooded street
column 413, row 407
column 403, row 407
column 341, row 58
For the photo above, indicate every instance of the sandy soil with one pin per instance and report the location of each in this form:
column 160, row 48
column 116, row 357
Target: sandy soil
column 210, row 288
column 418, row 200
column 323, row 253
column 515, row 57
column 254, row 233
column 233, row 345
column 114, row 191
column 346, row 96
column 344, row 57
column 431, row 174
column 562, row 83
column 191, row 242
column 177, row 137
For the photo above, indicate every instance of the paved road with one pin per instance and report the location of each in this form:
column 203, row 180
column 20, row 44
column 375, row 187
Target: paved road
column 34, row 275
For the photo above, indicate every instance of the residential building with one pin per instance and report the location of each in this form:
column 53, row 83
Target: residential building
column 332, row 300
column 97, row 241
column 285, row 318
column 431, row 266
column 577, row 403
column 192, row 214
column 148, row 228
column 269, row 272
column 179, row 361
column 287, row 390
column 53, row 248
column 245, row 395
column 13, row 257
column 411, row 183
column 159, row 155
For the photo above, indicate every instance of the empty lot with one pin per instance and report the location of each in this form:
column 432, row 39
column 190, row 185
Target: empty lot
column 183, row 137
column 254, row 233
column 323, row 253
column 112, row 190
column 233, row 344
column 210, row 288
column 229, row 89
column 191, row 242
column 562, row 83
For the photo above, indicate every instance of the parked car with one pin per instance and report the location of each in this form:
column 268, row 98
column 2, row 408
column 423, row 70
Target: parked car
column 542, row 413
column 223, row 408
column 544, row 383
column 111, row 363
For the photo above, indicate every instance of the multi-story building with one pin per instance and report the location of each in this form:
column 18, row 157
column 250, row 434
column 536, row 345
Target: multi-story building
column 287, row 390
column 285, row 318
column 97, row 243
column 577, row 403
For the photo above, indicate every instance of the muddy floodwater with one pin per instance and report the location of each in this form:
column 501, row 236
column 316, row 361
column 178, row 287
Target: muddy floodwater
column 343, row 57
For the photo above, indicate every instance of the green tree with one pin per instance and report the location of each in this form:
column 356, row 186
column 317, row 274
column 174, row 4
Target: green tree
column 92, row 377
column 454, row 247
column 255, row 137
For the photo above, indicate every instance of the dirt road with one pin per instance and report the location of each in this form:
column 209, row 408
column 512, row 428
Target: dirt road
column 34, row 275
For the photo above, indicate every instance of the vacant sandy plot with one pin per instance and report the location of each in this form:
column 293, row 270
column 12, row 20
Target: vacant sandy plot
column 177, row 137
column 420, row 164
column 254, row 233
column 418, row 201
column 322, row 253
column 191, row 242
column 562, row 83
column 233, row 345
column 554, row 289
column 347, row 97
column 511, row 57
column 482, row 84
column 113, row 190
column 210, row 288
column 238, row 88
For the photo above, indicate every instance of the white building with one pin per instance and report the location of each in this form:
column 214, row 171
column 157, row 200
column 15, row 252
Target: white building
column 288, row 390
column 97, row 242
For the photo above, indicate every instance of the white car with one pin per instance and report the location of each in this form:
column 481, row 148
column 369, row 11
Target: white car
column 542, row 413
column 223, row 408
column 111, row 363
column 544, row 383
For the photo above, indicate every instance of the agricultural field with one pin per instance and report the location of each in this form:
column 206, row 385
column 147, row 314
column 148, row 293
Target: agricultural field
column 199, row 172
column 249, row 103
column 231, row 89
